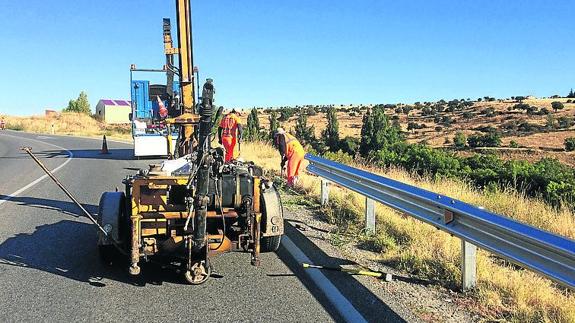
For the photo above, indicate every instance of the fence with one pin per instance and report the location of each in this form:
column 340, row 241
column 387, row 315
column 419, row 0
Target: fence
column 543, row 252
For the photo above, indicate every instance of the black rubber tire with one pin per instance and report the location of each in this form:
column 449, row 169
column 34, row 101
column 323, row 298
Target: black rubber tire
column 110, row 255
column 270, row 244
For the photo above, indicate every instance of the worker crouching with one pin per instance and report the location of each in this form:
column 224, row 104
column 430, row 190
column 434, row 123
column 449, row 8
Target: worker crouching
column 292, row 153
column 229, row 134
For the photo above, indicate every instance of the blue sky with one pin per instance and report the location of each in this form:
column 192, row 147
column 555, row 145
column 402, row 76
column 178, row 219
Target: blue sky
column 274, row 53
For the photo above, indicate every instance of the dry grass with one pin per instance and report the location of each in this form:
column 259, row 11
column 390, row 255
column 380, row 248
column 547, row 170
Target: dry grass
column 350, row 122
column 74, row 124
column 503, row 291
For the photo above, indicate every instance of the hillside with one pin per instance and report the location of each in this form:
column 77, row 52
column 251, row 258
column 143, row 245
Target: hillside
column 537, row 131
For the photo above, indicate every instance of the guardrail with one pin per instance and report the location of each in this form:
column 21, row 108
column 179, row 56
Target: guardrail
column 543, row 252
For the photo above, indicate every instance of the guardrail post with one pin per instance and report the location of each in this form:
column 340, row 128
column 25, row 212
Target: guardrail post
column 324, row 198
column 369, row 215
column 468, row 265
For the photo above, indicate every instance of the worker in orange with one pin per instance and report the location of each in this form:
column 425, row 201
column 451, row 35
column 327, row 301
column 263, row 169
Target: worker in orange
column 229, row 134
column 291, row 152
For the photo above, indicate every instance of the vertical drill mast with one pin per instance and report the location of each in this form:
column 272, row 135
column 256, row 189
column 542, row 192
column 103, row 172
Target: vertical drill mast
column 184, row 21
column 188, row 119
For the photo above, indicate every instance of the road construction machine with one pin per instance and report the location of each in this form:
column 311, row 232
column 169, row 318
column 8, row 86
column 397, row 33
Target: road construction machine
column 193, row 206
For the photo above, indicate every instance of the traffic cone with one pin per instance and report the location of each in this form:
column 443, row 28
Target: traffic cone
column 104, row 146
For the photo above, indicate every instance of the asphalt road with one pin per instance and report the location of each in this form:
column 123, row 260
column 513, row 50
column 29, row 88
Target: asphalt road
column 50, row 269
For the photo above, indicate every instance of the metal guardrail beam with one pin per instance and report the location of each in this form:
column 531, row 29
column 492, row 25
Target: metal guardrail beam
column 543, row 252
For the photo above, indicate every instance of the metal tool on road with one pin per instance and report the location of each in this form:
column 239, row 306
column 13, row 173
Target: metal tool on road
column 61, row 186
column 377, row 274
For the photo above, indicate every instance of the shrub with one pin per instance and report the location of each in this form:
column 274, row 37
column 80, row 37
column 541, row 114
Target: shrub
column 14, row 126
column 460, row 140
column 565, row 122
column 350, row 145
column 491, row 139
column 488, row 112
column 286, row 113
column 513, row 144
column 340, row 157
column 570, row 144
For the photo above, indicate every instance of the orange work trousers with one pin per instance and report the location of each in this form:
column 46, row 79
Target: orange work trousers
column 293, row 164
column 229, row 143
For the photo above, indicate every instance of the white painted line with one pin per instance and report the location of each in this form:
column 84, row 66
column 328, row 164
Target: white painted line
column 55, row 136
column 10, row 196
column 339, row 302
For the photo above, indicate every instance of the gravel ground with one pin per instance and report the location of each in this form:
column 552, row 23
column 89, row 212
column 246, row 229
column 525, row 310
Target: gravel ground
column 414, row 300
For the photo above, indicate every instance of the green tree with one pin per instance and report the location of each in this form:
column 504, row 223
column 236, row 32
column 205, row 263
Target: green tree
column 377, row 132
column 556, row 105
column 570, row 144
column 491, row 139
column 274, row 124
column 305, row 134
column 460, row 140
column 80, row 105
column 331, row 132
column 571, row 94
column 252, row 129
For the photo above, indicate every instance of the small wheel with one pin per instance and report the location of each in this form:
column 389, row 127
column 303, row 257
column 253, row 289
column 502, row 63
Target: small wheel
column 199, row 273
column 270, row 244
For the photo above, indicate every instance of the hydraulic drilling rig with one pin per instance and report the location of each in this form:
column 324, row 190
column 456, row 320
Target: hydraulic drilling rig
column 196, row 206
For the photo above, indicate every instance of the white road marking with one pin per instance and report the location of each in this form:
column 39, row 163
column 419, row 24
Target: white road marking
column 339, row 302
column 10, row 196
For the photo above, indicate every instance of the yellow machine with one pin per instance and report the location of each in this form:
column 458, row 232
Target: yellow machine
column 202, row 206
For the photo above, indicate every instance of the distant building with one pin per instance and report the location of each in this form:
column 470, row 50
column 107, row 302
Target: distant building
column 50, row 113
column 113, row 111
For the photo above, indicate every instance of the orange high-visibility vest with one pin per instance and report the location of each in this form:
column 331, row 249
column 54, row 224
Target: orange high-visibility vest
column 293, row 146
column 229, row 124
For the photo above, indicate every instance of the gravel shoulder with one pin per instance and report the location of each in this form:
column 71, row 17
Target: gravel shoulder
column 412, row 299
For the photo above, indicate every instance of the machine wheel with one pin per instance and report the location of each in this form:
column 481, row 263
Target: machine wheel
column 272, row 215
column 199, row 273
column 111, row 213
column 270, row 244
column 109, row 254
